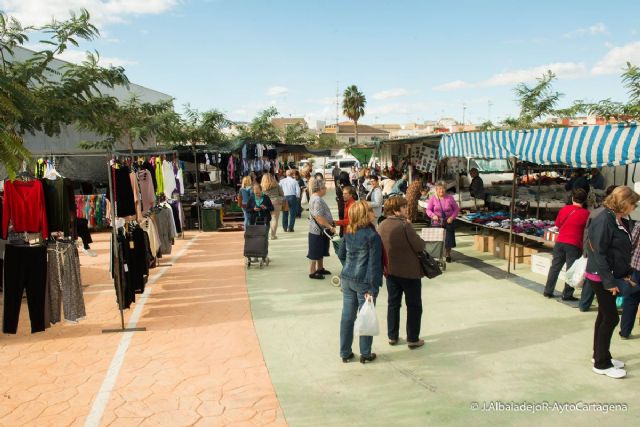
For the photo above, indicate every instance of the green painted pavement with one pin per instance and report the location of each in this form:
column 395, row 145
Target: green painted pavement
column 486, row 340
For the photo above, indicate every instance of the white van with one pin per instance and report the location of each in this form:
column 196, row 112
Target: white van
column 345, row 164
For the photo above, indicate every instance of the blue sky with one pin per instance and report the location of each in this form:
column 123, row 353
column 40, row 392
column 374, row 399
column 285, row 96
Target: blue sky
column 414, row 60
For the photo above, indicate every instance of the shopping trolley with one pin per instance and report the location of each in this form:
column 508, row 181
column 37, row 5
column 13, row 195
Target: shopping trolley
column 256, row 243
column 435, row 237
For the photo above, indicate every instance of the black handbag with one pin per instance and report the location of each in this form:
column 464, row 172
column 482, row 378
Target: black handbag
column 429, row 265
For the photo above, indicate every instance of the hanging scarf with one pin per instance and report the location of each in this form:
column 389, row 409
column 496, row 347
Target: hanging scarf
column 258, row 201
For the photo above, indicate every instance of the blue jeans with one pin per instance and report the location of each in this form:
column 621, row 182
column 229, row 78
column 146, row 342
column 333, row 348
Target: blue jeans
column 630, row 309
column 289, row 218
column 247, row 217
column 351, row 303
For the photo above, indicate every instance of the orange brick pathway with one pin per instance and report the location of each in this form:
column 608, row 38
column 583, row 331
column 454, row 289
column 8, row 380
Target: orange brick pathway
column 198, row 363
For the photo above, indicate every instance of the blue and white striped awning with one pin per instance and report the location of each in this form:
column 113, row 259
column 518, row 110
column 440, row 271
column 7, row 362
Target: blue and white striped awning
column 579, row 147
column 583, row 147
column 492, row 145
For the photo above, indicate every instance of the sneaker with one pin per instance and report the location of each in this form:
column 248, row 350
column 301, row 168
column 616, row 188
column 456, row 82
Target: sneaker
column 611, row 372
column 89, row 252
column 616, row 363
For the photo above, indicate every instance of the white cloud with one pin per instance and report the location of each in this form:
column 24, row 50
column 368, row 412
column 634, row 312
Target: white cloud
column 391, row 93
column 456, row 84
column 565, row 70
column 616, row 58
column 277, row 91
column 103, row 12
column 593, row 30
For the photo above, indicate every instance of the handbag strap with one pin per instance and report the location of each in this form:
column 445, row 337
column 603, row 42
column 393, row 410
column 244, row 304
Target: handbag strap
column 567, row 218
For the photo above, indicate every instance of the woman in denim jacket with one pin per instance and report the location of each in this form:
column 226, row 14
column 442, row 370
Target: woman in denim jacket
column 361, row 257
column 246, row 193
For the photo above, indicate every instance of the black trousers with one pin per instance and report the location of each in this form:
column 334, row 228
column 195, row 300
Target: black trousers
column 606, row 323
column 25, row 267
column 563, row 253
column 412, row 289
column 82, row 226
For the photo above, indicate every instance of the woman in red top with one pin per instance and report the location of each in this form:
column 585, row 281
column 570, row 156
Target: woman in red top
column 571, row 221
column 347, row 194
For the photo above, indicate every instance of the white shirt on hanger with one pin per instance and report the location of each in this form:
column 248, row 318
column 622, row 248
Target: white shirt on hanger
column 169, row 179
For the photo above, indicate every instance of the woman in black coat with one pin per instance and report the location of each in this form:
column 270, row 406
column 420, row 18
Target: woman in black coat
column 608, row 248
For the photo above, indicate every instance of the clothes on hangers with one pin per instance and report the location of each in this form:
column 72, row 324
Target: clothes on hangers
column 169, row 179
column 64, row 283
column 24, row 207
column 159, row 177
column 60, row 206
column 25, row 268
column 147, row 191
column 123, row 191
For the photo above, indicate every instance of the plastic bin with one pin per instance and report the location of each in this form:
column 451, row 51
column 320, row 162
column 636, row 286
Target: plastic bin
column 211, row 219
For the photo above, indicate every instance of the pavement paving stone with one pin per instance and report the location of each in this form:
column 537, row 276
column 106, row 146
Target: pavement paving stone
column 487, row 339
column 199, row 356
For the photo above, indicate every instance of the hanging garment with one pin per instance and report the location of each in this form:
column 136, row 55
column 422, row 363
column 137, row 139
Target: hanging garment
column 175, row 209
column 149, row 226
column 123, row 192
column 64, row 282
column 24, row 206
column 169, row 179
column 147, row 191
column 166, row 229
column 122, row 273
column 159, row 177
column 25, row 269
column 60, row 206
column 180, row 180
column 138, row 261
column 152, row 171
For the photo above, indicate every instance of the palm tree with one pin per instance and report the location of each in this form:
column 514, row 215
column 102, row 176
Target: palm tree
column 353, row 106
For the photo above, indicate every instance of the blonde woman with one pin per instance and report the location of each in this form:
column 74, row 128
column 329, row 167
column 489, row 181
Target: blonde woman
column 609, row 250
column 361, row 277
column 246, row 192
column 272, row 189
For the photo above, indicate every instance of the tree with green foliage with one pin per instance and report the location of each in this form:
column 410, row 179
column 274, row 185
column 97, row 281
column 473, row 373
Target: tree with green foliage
column 620, row 111
column 297, row 133
column 261, row 129
column 486, row 126
column 327, row 140
column 353, row 104
column 535, row 102
column 194, row 127
column 35, row 97
column 133, row 121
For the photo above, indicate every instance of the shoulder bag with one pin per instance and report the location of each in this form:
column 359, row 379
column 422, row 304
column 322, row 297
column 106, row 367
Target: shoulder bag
column 429, row 265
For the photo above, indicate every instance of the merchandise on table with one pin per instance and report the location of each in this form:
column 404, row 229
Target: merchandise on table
column 529, row 226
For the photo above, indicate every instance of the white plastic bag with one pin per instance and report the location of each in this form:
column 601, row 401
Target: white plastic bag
column 366, row 323
column 575, row 273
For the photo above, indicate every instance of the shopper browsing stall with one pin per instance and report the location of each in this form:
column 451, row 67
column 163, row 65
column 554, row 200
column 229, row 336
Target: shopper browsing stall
column 571, row 222
column 609, row 256
column 442, row 209
column 260, row 207
column 320, row 220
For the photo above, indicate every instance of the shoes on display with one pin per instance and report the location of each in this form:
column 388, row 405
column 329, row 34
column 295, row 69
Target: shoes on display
column 611, row 372
column 616, row 363
column 367, row 359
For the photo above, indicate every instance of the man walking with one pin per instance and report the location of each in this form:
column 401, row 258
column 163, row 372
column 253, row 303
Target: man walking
column 291, row 191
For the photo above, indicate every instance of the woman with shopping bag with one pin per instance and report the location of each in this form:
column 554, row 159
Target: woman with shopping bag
column 361, row 256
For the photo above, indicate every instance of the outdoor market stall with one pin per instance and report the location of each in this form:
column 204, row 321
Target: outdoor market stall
column 578, row 147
